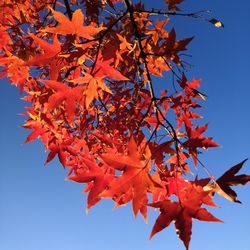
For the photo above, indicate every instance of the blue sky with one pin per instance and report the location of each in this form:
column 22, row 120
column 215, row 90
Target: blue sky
column 41, row 211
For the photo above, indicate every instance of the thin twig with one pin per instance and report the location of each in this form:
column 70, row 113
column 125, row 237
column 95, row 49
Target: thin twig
column 68, row 9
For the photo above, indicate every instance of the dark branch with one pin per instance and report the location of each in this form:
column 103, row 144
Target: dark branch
column 68, row 9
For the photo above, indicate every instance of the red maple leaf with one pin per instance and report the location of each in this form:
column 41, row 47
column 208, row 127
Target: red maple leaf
column 97, row 178
column 135, row 175
column 223, row 184
column 50, row 56
column 172, row 4
column 63, row 93
column 75, row 26
column 104, row 69
column 38, row 131
column 181, row 213
column 93, row 87
column 61, row 148
column 50, row 51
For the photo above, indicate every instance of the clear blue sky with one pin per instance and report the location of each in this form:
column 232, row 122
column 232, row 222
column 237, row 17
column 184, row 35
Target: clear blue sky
column 41, row 211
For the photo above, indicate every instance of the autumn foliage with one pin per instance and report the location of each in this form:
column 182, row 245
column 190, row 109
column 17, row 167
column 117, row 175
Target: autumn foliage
column 108, row 95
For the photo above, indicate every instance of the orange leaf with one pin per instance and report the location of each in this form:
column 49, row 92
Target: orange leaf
column 95, row 177
column 104, row 69
column 135, row 175
column 49, row 51
column 65, row 26
column 64, row 93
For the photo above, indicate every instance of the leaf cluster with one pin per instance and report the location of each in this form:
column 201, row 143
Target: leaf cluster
column 108, row 95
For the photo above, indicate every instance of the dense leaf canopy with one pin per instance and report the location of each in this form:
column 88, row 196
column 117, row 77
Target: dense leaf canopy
column 108, row 95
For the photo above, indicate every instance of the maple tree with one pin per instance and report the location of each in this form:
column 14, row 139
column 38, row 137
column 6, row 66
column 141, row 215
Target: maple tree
column 95, row 75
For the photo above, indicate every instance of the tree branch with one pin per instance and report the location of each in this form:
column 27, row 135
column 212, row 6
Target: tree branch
column 68, row 9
